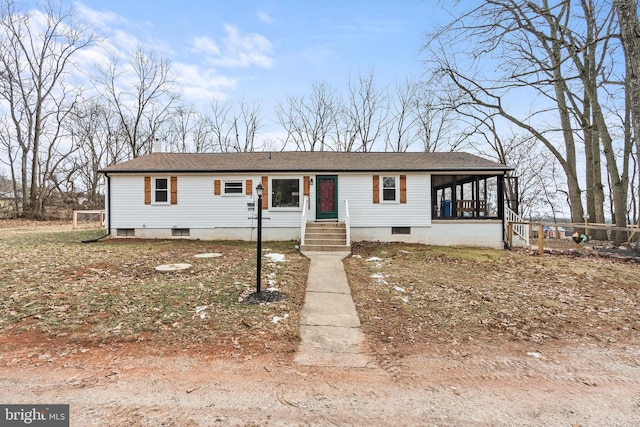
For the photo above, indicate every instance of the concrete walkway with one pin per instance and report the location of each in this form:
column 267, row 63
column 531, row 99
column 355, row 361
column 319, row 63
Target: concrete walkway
column 329, row 324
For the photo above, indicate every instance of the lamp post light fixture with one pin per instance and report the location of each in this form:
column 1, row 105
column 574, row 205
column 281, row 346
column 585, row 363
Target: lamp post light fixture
column 259, row 192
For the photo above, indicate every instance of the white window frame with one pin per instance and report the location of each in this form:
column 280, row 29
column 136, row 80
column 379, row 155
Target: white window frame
column 396, row 198
column 286, row 208
column 154, row 189
column 233, row 181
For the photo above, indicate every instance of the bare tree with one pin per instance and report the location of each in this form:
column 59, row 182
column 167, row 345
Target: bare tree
column 310, row 122
column 10, row 147
column 627, row 11
column 188, row 130
column 365, row 114
column 251, row 123
column 202, row 134
column 401, row 131
column 94, row 130
column 235, row 128
column 435, row 121
column 36, row 53
column 589, row 51
column 143, row 106
column 558, row 58
column 220, row 128
column 179, row 129
column 536, row 193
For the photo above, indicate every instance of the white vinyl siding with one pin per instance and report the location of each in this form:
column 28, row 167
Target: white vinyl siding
column 201, row 214
column 198, row 207
column 357, row 189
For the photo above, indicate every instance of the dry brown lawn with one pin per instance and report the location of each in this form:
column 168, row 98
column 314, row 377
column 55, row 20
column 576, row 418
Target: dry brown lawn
column 407, row 296
column 90, row 294
column 410, row 295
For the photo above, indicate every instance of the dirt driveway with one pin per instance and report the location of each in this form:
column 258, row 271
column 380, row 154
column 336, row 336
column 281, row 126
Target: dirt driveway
column 461, row 385
column 455, row 382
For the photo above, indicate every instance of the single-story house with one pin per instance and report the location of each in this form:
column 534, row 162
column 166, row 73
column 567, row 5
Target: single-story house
column 449, row 198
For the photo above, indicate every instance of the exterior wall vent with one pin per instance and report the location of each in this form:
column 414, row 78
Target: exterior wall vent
column 400, row 230
column 180, row 232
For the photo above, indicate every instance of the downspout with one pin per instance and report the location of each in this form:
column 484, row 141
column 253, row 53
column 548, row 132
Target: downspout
column 108, row 200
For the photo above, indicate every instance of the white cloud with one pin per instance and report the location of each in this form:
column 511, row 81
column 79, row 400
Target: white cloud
column 265, row 17
column 205, row 45
column 199, row 85
column 237, row 50
column 99, row 19
column 203, row 74
column 124, row 41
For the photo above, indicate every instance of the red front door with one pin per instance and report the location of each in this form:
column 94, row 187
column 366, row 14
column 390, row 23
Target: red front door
column 327, row 197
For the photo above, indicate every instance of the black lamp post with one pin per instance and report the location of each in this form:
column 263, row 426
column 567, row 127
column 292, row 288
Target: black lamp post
column 259, row 192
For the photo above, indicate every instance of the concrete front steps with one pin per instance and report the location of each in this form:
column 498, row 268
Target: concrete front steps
column 325, row 236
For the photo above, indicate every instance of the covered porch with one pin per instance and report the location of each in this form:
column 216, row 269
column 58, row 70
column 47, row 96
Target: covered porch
column 464, row 196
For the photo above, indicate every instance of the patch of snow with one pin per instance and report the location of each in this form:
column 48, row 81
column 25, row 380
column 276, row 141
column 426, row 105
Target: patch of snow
column 356, row 256
column 535, row 354
column 399, row 289
column 376, row 260
column 276, row 319
column 275, row 257
column 201, row 311
column 379, row 278
column 273, row 289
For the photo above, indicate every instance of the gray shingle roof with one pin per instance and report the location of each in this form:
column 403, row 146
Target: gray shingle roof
column 304, row 161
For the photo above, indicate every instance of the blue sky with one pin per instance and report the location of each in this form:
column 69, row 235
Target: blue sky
column 265, row 50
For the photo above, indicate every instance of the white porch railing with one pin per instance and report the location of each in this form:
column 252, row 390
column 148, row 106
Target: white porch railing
column 303, row 220
column 347, row 221
column 520, row 226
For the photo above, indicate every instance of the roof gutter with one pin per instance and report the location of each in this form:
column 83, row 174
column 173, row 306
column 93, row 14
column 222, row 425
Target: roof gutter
column 201, row 171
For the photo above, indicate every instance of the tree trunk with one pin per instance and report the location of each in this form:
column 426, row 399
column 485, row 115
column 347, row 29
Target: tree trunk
column 34, row 211
column 569, row 166
column 25, row 180
column 595, row 188
column 630, row 35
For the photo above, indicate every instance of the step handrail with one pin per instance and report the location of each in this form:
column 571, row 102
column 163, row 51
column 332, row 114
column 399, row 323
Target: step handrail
column 347, row 221
column 303, row 220
column 520, row 227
